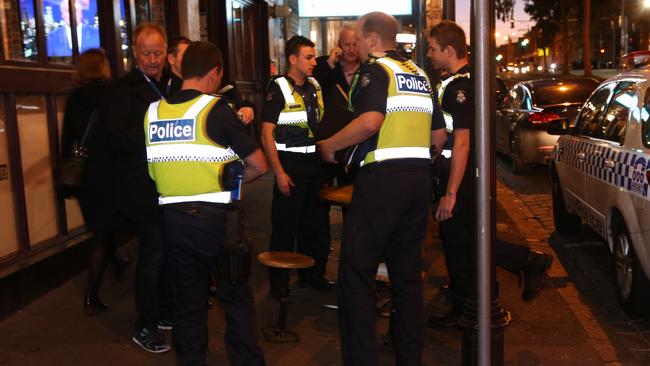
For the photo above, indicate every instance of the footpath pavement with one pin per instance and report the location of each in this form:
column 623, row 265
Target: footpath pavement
column 54, row 331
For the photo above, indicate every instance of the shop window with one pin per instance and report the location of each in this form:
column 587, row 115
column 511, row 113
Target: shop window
column 19, row 30
column 242, row 26
column 59, row 33
column 8, row 233
column 72, row 209
column 142, row 11
column 124, row 37
column 36, row 167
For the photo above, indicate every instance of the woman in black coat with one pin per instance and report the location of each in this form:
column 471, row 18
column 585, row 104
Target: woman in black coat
column 97, row 193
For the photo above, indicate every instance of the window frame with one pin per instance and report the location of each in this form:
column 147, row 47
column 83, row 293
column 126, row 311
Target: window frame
column 618, row 89
column 578, row 130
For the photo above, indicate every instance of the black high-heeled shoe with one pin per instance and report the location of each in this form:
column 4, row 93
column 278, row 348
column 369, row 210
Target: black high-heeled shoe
column 93, row 306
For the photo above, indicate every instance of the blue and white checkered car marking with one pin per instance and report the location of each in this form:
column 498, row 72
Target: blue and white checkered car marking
column 629, row 172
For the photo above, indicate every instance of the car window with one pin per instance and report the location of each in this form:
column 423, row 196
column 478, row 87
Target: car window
column 526, row 102
column 515, row 98
column 548, row 93
column 592, row 112
column 645, row 118
column 618, row 111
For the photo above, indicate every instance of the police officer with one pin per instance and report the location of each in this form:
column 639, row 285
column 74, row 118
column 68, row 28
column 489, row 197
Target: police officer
column 291, row 114
column 448, row 51
column 393, row 102
column 193, row 139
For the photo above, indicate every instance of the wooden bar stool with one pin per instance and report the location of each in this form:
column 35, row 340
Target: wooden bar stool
column 284, row 261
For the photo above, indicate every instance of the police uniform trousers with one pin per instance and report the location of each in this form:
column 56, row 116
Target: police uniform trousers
column 387, row 219
column 194, row 234
column 301, row 220
column 457, row 237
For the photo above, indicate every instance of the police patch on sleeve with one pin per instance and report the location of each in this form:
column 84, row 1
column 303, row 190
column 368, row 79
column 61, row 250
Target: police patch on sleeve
column 365, row 80
column 461, row 96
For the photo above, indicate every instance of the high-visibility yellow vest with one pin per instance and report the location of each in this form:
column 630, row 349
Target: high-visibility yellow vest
column 449, row 121
column 183, row 161
column 406, row 130
column 295, row 114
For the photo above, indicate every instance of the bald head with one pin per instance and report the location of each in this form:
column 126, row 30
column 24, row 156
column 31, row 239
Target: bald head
column 376, row 32
column 384, row 25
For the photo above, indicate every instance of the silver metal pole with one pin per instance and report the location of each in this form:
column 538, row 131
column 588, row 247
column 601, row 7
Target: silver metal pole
column 420, row 50
column 484, row 156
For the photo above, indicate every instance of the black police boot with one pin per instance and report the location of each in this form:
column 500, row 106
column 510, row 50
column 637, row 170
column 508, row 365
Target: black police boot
column 534, row 270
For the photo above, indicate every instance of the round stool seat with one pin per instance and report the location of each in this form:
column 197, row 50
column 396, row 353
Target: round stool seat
column 286, row 260
column 337, row 195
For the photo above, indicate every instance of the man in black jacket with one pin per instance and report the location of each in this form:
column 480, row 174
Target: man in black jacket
column 335, row 73
column 137, row 198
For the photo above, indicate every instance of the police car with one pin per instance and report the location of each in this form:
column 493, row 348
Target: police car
column 600, row 173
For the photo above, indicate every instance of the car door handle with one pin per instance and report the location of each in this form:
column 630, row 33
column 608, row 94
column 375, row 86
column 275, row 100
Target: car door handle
column 581, row 156
column 610, row 164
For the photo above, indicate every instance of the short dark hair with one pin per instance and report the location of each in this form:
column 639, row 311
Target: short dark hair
column 174, row 42
column 381, row 23
column 448, row 33
column 199, row 58
column 294, row 44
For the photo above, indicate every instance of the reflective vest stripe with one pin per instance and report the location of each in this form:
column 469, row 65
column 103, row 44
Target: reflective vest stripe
column 409, row 103
column 198, row 106
column 390, row 64
column 188, row 152
column 446, row 153
column 401, row 153
column 214, row 197
column 449, row 121
column 297, row 149
column 286, row 90
column 153, row 111
column 292, row 118
column 191, row 113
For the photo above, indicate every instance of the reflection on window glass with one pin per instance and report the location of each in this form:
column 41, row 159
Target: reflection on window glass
column 593, row 111
column 8, row 235
column 36, row 167
column 19, row 30
column 142, row 11
column 56, row 17
column 72, row 209
column 613, row 127
column 645, row 118
column 124, row 36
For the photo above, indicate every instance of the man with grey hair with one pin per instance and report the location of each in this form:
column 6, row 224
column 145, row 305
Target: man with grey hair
column 137, row 198
column 335, row 73
column 397, row 118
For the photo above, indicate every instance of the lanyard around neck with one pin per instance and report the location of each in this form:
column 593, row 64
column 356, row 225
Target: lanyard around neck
column 153, row 86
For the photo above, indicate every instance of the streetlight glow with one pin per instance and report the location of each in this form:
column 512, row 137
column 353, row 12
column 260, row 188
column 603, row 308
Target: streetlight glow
column 646, row 3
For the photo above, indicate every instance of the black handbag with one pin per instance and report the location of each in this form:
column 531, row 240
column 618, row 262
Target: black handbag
column 71, row 168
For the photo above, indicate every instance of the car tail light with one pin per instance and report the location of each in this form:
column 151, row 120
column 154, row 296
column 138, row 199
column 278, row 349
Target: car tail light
column 542, row 117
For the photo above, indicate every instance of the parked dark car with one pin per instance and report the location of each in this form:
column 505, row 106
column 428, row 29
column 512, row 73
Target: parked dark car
column 524, row 114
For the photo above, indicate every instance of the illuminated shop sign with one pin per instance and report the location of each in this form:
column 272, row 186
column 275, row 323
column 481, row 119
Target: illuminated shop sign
column 347, row 8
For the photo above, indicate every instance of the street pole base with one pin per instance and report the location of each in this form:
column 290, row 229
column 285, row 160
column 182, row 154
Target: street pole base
column 469, row 324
